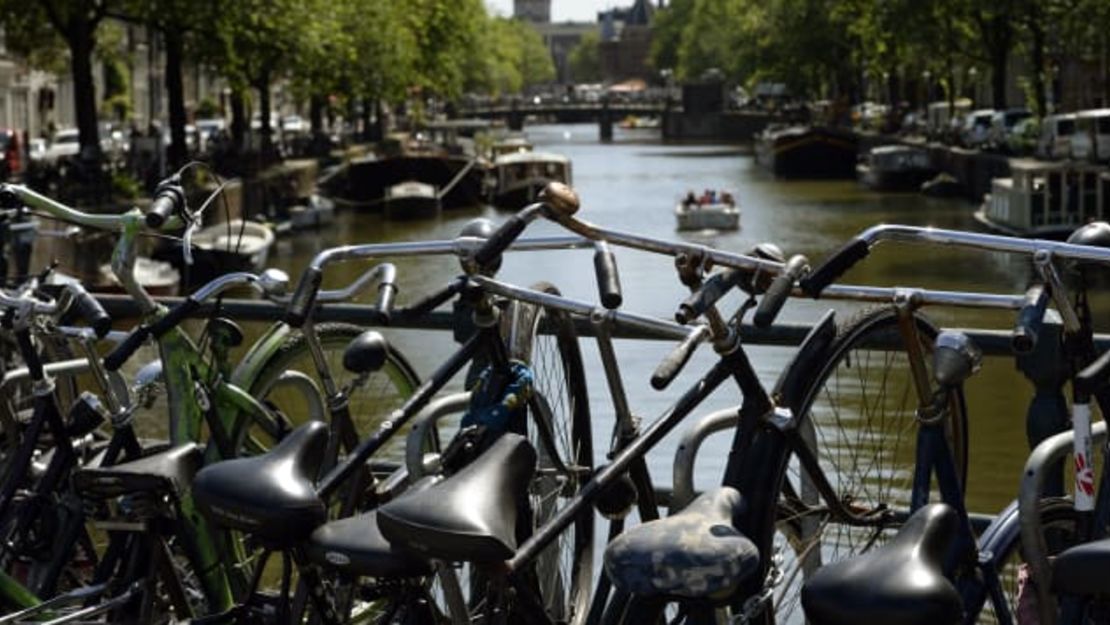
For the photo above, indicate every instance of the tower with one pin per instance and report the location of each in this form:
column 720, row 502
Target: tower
column 538, row 11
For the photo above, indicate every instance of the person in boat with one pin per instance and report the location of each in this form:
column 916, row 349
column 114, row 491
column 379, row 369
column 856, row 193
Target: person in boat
column 691, row 200
column 726, row 198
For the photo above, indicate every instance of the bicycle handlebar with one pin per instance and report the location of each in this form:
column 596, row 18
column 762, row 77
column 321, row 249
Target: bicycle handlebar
column 89, row 309
column 780, row 289
column 608, row 280
column 169, row 200
column 713, row 289
column 835, row 266
column 673, row 362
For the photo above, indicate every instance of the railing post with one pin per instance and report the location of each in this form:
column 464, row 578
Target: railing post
column 1047, row 369
column 516, row 116
column 605, row 120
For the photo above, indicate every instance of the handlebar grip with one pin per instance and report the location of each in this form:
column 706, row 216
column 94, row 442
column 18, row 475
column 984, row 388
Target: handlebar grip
column 499, row 240
column 300, row 307
column 674, row 362
column 712, row 290
column 608, row 280
column 175, row 316
column 1030, row 319
column 167, row 200
column 1094, row 376
column 383, row 308
column 856, row 250
column 90, row 309
column 115, row 359
column 779, row 291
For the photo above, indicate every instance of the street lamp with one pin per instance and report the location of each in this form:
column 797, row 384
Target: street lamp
column 973, row 76
column 925, row 76
column 886, row 89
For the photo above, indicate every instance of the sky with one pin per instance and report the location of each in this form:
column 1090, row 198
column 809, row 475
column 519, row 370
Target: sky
column 563, row 10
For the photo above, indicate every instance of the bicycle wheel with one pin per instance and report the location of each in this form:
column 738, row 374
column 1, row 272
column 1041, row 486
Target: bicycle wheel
column 559, row 429
column 370, row 397
column 1060, row 523
column 858, row 415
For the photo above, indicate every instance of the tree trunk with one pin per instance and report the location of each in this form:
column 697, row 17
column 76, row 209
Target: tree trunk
column 999, row 57
column 238, row 119
column 316, row 114
column 175, row 88
column 81, row 40
column 366, row 131
column 1036, row 31
column 264, row 114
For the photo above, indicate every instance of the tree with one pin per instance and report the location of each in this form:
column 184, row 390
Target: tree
column 75, row 22
column 666, row 33
column 585, row 59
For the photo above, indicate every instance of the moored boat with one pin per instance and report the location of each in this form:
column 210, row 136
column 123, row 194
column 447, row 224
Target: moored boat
column 895, row 168
column 1045, row 199
column 808, row 152
column 157, row 277
column 221, row 248
column 519, row 177
column 411, row 200
column 316, row 211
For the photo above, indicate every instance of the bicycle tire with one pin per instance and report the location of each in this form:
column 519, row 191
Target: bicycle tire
column 1060, row 522
column 369, row 402
column 546, row 340
column 871, row 464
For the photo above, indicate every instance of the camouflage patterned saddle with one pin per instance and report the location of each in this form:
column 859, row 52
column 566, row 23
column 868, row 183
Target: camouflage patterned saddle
column 696, row 553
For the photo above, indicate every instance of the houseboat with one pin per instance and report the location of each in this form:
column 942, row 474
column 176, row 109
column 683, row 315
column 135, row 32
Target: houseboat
column 519, row 177
column 442, row 154
column 1045, row 199
column 411, row 200
column 808, row 151
column 895, row 168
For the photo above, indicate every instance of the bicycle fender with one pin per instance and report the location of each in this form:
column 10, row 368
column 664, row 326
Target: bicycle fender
column 811, row 352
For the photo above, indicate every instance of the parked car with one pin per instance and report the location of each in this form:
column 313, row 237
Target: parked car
column 1091, row 139
column 976, row 126
column 1056, row 132
column 36, row 148
column 64, row 144
column 1002, row 124
column 294, row 125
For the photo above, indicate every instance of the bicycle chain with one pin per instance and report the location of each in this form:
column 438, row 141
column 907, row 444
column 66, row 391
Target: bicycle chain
column 755, row 604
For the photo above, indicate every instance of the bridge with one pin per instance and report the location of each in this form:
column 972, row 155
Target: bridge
column 604, row 112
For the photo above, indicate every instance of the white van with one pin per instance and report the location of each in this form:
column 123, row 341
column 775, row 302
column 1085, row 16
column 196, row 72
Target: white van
column 1091, row 139
column 1056, row 133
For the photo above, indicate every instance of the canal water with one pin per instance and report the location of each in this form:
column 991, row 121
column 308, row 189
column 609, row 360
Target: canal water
column 633, row 184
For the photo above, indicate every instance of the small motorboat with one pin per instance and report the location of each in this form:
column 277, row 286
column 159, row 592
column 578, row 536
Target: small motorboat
column 716, row 215
column 159, row 278
column 411, row 200
column 236, row 245
column 315, row 212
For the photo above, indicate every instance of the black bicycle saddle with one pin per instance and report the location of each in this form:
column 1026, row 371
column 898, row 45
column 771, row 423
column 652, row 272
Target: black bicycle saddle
column 270, row 495
column 1081, row 570
column 694, row 553
column 169, row 471
column 470, row 516
column 900, row 582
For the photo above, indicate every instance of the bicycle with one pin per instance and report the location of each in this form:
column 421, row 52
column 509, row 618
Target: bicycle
column 232, row 392
column 975, row 568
